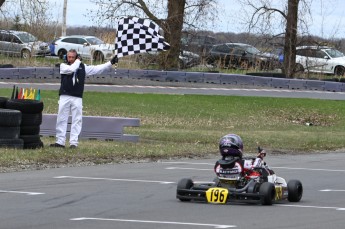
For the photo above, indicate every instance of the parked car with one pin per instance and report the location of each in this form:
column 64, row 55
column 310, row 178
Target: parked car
column 320, row 59
column 52, row 46
column 87, row 47
column 23, row 44
column 239, row 55
column 187, row 59
column 199, row 44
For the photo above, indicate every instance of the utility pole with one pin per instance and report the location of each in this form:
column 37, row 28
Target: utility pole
column 63, row 33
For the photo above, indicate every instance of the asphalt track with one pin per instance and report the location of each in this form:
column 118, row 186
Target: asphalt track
column 142, row 196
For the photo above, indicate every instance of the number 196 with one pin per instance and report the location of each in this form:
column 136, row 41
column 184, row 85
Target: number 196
column 217, row 196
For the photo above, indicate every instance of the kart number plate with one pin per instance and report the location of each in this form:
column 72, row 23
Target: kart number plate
column 279, row 192
column 217, row 195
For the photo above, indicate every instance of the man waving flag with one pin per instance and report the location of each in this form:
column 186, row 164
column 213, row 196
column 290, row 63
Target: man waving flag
column 137, row 35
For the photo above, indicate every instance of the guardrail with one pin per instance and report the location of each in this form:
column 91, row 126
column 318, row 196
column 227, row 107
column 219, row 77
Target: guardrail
column 94, row 127
column 179, row 76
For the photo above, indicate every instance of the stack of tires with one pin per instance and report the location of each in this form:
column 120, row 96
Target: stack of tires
column 3, row 101
column 10, row 127
column 31, row 112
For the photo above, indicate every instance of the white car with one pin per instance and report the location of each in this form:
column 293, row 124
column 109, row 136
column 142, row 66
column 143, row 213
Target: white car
column 88, row 47
column 320, row 59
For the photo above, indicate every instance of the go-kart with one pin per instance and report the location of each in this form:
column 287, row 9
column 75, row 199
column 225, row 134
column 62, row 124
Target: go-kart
column 258, row 185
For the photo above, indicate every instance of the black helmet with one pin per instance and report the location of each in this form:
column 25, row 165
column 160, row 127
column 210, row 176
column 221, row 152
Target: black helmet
column 231, row 145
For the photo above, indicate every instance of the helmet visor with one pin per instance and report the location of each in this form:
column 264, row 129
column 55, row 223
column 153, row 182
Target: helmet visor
column 229, row 151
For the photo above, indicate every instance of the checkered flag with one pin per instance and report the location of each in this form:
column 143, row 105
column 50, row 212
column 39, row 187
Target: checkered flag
column 137, row 35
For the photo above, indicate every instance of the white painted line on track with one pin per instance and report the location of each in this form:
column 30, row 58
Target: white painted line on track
column 188, row 163
column 288, row 168
column 113, row 179
column 198, row 169
column 156, row 222
column 11, row 83
column 316, row 207
column 331, row 190
column 27, row 193
column 181, row 168
column 326, row 170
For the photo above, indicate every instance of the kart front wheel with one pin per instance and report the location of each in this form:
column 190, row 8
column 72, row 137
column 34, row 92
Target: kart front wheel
column 268, row 192
column 185, row 183
column 295, row 190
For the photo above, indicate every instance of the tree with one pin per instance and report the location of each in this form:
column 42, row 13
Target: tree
column 290, row 38
column 17, row 25
column 291, row 16
column 28, row 15
column 172, row 18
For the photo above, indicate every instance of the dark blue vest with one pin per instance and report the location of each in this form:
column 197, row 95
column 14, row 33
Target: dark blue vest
column 67, row 87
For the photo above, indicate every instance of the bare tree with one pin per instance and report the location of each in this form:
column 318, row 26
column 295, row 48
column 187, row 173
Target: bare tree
column 29, row 15
column 290, row 38
column 291, row 16
column 170, row 15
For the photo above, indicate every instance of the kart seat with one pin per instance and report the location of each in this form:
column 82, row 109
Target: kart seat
column 229, row 162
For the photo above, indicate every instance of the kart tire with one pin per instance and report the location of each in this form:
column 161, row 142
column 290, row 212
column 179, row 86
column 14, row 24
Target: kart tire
column 3, row 101
column 28, row 106
column 29, row 130
column 30, row 138
column 10, row 117
column 12, row 143
column 268, row 193
column 185, row 183
column 33, row 145
column 31, row 119
column 9, row 132
column 295, row 190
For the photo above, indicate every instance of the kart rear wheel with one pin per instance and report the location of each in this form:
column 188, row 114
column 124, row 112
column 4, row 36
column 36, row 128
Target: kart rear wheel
column 295, row 190
column 185, row 183
column 268, row 193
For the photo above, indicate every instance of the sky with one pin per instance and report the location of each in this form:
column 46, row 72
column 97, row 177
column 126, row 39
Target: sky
column 328, row 16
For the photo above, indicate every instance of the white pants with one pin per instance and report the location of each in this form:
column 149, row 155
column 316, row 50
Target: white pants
column 74, row 105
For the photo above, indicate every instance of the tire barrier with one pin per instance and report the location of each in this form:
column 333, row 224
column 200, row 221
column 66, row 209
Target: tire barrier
column 31, row 119
column 3, row 102
column 27, row 106
column 10, row 121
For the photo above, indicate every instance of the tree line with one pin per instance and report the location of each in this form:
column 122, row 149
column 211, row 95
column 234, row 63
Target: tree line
column 174, row 16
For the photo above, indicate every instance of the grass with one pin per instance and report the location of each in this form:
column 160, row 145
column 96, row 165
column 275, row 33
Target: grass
column 190, row 126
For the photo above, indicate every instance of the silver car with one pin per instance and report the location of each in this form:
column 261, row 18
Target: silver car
column 22, row 44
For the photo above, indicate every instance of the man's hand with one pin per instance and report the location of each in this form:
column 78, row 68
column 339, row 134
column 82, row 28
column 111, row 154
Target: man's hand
column 79, row 57
column 114, row 60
